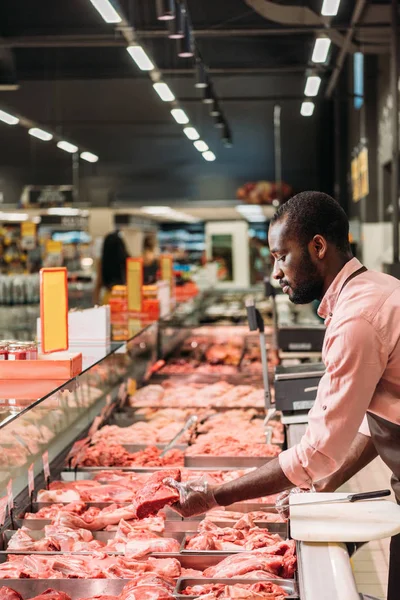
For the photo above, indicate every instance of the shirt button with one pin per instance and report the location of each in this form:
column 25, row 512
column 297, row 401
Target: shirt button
column 324, row 407
column 331, row 314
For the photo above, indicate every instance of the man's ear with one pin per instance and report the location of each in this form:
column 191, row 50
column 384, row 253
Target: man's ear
column 319, row 246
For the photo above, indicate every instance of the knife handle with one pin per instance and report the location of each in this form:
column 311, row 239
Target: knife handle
column 368, row 495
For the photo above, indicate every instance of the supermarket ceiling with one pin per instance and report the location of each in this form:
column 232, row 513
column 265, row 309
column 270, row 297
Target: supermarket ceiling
column 73, row 74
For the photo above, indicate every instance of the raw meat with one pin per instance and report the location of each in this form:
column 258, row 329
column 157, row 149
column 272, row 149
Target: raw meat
column 225, row 445
column 279, row 560
column 104, row 454
column 95, row 566
column 51, row 594
column 251, row 591
column 7, row 593
column 243, row 535
column 156, row 494
column 220, row 514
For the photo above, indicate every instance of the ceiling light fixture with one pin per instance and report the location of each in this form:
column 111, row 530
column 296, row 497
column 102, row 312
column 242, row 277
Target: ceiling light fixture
column 89, row 156
column 209, row 156
column 71, row 148
column 191, row 133
column 307, row 109
column 219, row 122
column 200, row 146
column 180, row 116
column 201, row 75
column 40, row 134
column 312, row 85
column 186, row 45
column 165, row 10
column 227, row 137
column 176, row 27
column 208, row 97
column 140, row 57
column 215, row 111
column 7, row 118
column 330, row 8
column 164, row 92
column 107, row 11
column 321, row 49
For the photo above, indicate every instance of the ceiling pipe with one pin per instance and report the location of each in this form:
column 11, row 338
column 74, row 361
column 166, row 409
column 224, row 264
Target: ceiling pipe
column 358, row 10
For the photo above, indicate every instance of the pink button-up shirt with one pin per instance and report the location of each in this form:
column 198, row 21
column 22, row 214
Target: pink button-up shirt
column 361, row 352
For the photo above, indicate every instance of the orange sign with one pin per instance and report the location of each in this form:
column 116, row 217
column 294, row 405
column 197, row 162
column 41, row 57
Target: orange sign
column 134, row 282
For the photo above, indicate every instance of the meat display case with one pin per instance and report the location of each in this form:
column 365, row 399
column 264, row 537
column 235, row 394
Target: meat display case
column 52, row 424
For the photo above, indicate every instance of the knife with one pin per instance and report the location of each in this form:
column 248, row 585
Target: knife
column 189, row 423
column 350, row 498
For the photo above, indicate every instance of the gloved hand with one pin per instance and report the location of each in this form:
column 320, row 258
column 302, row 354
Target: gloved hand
column 196, row 497
column 282, row 501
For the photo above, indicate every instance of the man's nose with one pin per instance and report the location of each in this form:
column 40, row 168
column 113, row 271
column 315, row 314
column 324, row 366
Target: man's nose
column 277, row 272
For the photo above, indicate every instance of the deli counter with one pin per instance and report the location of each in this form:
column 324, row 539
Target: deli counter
column 76, row 458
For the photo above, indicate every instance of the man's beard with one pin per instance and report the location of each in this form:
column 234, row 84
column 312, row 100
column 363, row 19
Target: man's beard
column 308, row 284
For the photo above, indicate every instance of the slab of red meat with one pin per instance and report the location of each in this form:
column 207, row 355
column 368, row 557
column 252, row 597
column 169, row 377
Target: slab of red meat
column 51, row 594
column 262, row 589
column 7, row 593
column 155, row 494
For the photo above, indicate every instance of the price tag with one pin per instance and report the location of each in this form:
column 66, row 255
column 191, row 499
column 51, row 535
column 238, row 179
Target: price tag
column 31, row 480
column 46, row 466
column 3, row 509
column 132, row 386
column 10, row 497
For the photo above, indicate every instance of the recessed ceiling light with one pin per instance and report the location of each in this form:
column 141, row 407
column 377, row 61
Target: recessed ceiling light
column 7, row 118
column 312, row 85
column 40, row 134
column 200, row 146
column 67, row 147
column 107, row 11
column 321, row 49
column 180, row 116
column 140, row 57
column 89, row 156
column 307, row 109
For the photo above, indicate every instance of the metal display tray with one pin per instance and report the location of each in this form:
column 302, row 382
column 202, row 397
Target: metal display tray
column 139, row 447
column 102, row 536
column 179, row 531
column 76, row 589
column 289, row 585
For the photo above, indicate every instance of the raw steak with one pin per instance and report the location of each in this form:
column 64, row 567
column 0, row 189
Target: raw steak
column 155, row 494
column 51, row 594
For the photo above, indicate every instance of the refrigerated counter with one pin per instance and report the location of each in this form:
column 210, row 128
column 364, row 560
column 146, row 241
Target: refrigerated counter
column 52, row 425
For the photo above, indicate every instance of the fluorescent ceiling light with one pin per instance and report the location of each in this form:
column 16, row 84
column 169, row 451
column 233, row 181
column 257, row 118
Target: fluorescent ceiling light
column 330, row 8
column 89, row 157
column 321, row 49
column 166, row 212
column 7, row 118
column 191, row 133
column 209, row 156
column 164, row 92
column 67, row 147
column 107, row 11
column 64, row 211
column 14, row 217
column 312, row 85
column 307, row 109
column 40, row 134
column 140, row 57
column 180, row 116
column 200, row 146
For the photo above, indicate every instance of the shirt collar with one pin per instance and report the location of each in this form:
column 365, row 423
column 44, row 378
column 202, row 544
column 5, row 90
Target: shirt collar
column 330, row 298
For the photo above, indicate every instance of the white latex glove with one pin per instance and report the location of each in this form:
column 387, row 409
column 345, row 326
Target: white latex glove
column 282, row 501
column 196, row 497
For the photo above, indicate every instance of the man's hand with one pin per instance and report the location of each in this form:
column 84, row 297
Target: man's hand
column 196, row 497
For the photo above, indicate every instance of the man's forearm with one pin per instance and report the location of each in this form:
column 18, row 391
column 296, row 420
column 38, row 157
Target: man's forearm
column 361, row 453
column 268, row 479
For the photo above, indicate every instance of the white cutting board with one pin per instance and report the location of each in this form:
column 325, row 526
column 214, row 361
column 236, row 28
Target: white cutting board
column 342, row 522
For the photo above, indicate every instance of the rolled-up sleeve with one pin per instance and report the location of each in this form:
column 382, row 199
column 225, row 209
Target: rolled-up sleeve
column 355, row 358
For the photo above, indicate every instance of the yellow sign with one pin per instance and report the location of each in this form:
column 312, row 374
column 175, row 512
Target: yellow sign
column 53, row 247
column 134, row 282
column 54, row 309
column 28, row 229
column 166, row 268
column 363, row 172
column 355, row 179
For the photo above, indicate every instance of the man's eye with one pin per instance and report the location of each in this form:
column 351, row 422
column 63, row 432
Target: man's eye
column 282, row 258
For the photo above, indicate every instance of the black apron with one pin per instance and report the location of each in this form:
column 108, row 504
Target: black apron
column 386, row 439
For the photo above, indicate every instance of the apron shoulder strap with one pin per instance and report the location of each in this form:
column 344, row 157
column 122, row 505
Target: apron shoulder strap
column 352, row 276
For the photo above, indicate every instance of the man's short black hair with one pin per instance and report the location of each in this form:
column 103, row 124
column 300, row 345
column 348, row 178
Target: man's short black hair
column 314, row 213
